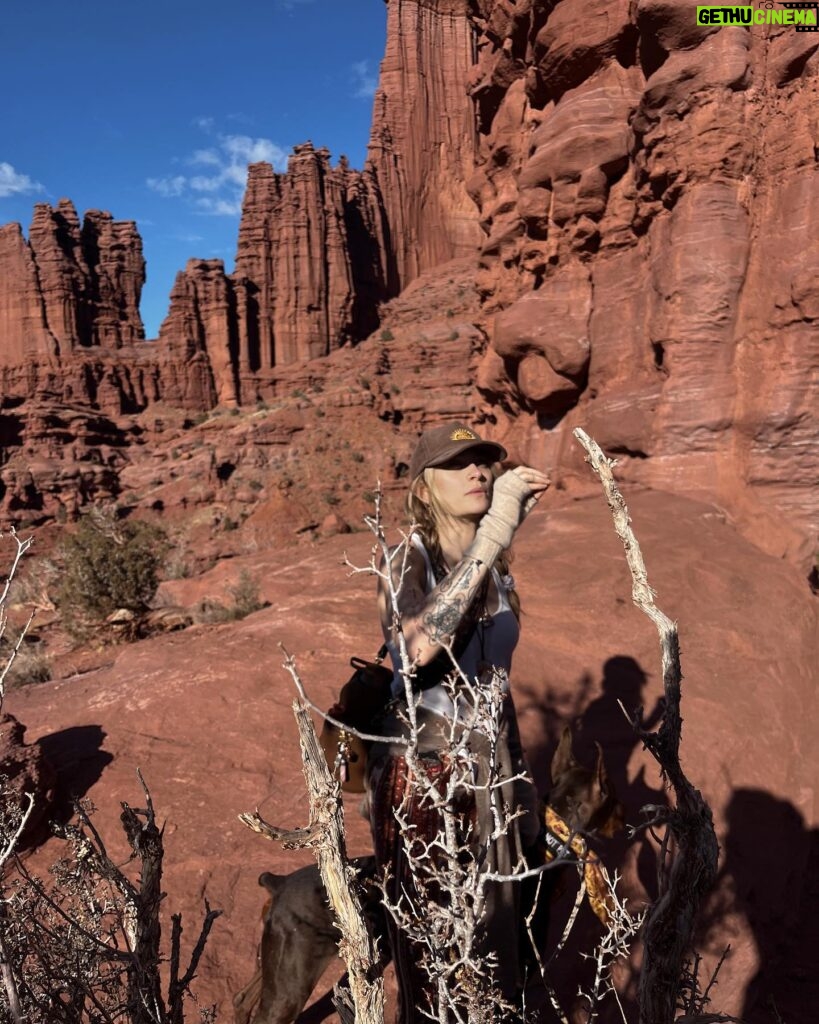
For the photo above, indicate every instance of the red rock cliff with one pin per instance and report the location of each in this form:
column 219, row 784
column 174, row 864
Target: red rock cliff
column 641, row 188
column 310, row 261
column 68, row 287
column 423, row 139
column 651, row 257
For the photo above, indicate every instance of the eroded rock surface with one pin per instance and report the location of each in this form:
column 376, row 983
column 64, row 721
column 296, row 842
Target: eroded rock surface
column 206, row 714
column 644, row 193
column 27, row 783
column 640, row 191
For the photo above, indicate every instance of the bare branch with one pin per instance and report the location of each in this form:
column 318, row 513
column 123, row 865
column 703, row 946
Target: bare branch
column 291, row 839
column 670, row 924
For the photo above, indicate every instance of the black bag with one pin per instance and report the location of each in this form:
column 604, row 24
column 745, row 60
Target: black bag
column 360, row 704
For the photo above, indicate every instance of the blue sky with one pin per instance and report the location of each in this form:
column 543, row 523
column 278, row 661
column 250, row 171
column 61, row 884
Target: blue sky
column 152, row 110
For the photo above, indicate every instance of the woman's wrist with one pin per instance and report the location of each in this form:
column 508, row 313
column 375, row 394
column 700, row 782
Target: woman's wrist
column 483, row 549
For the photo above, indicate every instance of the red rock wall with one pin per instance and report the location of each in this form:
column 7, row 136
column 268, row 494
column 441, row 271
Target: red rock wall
column 196, row 338
column 306, row 243
column 641, row 189
column 23, row 328
column 651, row 257
column 423, row 139
column 69, row 287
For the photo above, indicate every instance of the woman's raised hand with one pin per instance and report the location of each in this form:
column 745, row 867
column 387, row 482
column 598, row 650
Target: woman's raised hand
column 513, row 496
column 537, row 482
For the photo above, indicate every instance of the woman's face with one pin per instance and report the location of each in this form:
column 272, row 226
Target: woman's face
column 462, row 486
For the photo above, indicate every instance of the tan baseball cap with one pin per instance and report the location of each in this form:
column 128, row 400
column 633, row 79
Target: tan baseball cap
column 439, row 445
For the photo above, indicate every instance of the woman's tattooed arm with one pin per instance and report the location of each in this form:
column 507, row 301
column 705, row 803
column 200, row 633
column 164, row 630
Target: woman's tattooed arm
column 450, row 600
column 429, row 620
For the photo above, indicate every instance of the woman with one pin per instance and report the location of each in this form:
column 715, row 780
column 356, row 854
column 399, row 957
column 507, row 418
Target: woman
column 453, row 590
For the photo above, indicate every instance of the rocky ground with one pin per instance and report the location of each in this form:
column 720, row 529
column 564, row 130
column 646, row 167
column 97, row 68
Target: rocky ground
column 205, row 714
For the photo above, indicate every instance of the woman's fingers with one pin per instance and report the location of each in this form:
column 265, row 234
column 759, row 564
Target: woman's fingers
column 536, row 480
column 537, row 483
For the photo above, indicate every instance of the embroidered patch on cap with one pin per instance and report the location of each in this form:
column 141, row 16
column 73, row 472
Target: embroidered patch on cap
column 462, row 434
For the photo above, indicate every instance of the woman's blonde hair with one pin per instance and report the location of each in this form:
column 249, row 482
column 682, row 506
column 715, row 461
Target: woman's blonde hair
column 426, row 515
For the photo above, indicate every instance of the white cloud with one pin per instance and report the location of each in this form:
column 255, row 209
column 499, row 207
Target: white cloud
column 220, row 207
column 14, row 183
column 226, row 162
column 250, row 151
column 168, row 187
column 365, row 81
column 205, row 156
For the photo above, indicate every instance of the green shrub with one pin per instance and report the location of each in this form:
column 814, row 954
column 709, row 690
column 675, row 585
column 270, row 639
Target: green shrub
column 31, row 665
column 387, row 335
column 245, row 595
column 108, row 564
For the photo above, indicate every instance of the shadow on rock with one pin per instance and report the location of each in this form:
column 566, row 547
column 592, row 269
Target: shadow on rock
column 320, row 1010
column 599, row 720
column 77, row 757
column 770, row 876
column 602, row 721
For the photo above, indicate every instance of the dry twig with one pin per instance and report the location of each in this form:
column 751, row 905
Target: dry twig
column 693, row 867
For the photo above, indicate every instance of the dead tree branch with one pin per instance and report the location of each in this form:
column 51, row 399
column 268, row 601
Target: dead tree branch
column 22, row 548
column 86, row 945
column 325, row 835
column 693, row 867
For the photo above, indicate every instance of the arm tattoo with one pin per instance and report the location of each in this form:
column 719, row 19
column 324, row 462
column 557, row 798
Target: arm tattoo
column 450, row 601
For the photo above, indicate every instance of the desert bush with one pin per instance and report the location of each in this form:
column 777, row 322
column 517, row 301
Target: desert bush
column 83, row 943
column 245, row 601
column 245, row 595
column 32, row 665
column 108, row 564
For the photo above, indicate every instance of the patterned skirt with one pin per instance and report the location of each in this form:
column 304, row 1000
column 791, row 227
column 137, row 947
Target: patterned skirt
column 389, row 789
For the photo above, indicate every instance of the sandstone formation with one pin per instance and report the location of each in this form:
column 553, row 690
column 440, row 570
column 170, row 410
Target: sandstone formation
column 422, row 140
column 26, row 778
column 651, row 252
column 207, row 716
column 647, row 265
column 70, row 286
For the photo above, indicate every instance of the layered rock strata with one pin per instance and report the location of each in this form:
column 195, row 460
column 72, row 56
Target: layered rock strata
column 651, row 251
column 69, row 286
column 321, row 247
column 423, row 139
column 648, row 257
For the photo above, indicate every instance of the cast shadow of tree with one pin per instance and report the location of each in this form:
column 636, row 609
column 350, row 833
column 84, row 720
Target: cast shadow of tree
column 769, row 876
column 598, row 719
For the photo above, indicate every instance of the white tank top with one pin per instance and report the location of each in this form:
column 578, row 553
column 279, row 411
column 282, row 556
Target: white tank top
column 491, row 643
